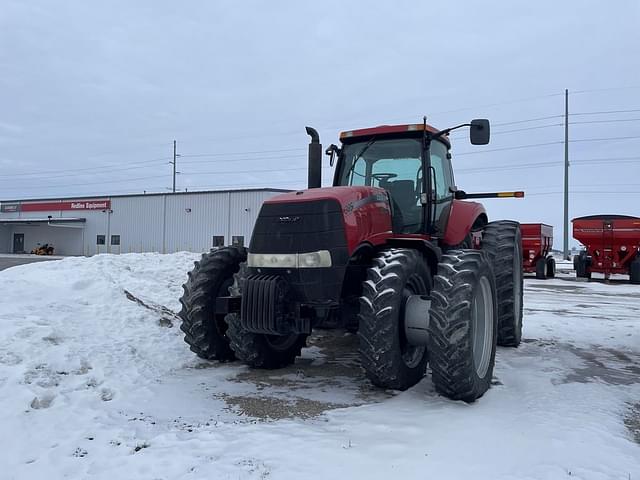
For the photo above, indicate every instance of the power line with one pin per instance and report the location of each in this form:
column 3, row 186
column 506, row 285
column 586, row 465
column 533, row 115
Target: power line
column 607, row 112
column 508, row 148
column 526, row 121
column 89, row 183
column 603, row 139
column 606, row 121
column 219, row 154
column 110, row 167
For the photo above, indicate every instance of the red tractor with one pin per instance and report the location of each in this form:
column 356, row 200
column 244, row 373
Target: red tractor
column 390, row 251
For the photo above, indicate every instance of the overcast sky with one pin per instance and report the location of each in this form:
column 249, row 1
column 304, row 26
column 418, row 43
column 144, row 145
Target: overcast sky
column 92, row 94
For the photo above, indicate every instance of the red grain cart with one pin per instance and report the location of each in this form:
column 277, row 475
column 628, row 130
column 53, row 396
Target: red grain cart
column 537, row 240
column 612, row 245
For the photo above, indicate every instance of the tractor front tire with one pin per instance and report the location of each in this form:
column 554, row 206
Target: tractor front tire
column 463, row 326
column 551, row 267
column 634, row 271
column 211, row 277
column 502, row 242
column 541, row 266
column 388, row 359
column 259, row 350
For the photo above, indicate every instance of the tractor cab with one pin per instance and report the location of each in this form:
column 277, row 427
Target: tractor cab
column 395, row 158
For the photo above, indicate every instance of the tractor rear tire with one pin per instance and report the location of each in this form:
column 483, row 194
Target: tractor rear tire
column 541, row 266
column 634, row 271
column 387, row 357
column 259, row 350
column 502, row 241
column 211, row 277
column 551, row 267
column 463, row 327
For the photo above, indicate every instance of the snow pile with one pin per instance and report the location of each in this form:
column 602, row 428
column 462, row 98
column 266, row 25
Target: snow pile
column 96, row 382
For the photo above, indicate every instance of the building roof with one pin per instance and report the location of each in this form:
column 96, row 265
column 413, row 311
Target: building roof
column 39, row 199
column 58, row 220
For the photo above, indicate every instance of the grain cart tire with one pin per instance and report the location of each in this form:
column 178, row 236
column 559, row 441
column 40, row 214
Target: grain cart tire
column 634, row 271
column 211, row 277
column 463, row 327
column 503, row 244
column 259, row 350
column 581, row 265
column 541, row 266
column 396, row 278
column 551, row 267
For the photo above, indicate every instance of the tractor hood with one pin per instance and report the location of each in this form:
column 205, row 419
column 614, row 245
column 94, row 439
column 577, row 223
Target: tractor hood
column 364, row 212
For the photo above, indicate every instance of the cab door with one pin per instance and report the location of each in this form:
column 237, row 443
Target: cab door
column 441, row 181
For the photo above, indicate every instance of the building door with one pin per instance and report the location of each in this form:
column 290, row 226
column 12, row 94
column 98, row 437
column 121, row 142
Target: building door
column 18, row 243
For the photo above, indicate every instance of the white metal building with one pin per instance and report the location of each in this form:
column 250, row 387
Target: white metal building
column 161, row 222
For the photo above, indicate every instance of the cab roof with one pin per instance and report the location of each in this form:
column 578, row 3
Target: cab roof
column 351, row 135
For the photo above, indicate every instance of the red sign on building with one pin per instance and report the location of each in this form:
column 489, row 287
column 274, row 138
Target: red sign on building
column 90, row 204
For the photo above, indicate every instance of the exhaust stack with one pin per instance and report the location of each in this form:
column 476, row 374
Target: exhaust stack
column 315, row 159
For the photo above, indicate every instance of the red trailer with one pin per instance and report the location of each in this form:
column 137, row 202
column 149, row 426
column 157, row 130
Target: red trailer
column 612, row 245
column 537, row 240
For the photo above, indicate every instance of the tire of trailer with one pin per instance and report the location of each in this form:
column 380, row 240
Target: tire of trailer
column 551, row 267
column 212, row 275
column 541, row 266
column 634, row 271
column 387, row 358
column 259, row 350
column 463, row 326
column 502, row 242
column 581, row 265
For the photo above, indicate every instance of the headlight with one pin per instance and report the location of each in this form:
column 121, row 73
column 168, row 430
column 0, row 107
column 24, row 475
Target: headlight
column 318, row 259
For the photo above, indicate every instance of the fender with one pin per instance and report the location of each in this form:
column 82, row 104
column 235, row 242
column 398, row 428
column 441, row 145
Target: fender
column 462, row 217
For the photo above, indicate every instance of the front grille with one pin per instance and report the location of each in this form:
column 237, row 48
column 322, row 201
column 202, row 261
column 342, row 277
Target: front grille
column 263, row 304
column 299, row 227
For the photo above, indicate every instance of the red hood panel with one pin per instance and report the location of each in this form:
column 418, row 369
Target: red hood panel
column 366, row 211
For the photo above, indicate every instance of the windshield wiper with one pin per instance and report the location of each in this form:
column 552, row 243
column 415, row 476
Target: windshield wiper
column 355, row 159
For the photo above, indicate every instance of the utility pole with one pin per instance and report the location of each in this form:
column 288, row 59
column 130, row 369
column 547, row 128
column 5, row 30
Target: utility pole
column 174, row 167
column 566, row 174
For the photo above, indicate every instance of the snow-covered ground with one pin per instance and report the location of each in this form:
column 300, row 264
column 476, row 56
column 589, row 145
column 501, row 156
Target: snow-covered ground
column 96, row 382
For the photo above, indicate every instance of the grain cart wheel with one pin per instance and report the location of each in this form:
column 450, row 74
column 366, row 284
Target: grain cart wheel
column 541, row 266
column 395, row 292
column 551, row 267
column 502, row 242
column 634, row 271
column 259, row 350
column 211, row 277
column 463, row 327
column 581, row 265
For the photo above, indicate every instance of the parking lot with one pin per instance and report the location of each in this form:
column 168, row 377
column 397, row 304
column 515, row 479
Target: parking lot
column 13, row 260
column 96, row 381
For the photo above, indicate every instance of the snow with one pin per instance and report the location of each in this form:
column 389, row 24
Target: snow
column 96, row 382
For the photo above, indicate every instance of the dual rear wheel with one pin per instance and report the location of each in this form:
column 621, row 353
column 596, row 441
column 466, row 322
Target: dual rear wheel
column 460, row 322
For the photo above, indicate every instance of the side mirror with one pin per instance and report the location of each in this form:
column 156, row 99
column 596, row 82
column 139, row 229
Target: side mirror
column 479, row 131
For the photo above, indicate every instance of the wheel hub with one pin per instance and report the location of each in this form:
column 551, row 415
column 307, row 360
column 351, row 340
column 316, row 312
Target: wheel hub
column 416, row 319
column 482, row 324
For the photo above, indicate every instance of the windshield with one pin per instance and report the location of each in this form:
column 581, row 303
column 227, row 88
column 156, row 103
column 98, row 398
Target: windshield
column 378, row 163
column 394, row 165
